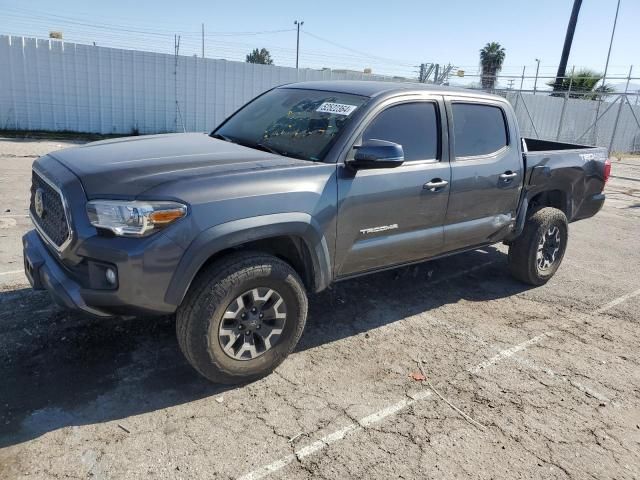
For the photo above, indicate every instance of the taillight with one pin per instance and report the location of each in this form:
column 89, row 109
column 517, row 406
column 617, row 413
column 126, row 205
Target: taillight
column 607, row 170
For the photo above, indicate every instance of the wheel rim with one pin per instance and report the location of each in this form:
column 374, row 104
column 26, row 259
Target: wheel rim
column 548, row 249
column 252, row 323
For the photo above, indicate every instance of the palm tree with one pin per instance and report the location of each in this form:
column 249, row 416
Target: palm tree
column 583, row 84
column 491, row 60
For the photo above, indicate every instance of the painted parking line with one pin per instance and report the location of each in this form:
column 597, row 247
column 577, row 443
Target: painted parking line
column 617, row 301
column 527, row 363
column 626, row 178
column 336, row 436
column 369, row 420
column 397, row 407
column 12, row 272
column 509, row 352
column 15, row 277
column 570, row 380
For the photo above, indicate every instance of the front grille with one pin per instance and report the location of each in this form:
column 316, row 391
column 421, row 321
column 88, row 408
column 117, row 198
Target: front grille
column 49, row 215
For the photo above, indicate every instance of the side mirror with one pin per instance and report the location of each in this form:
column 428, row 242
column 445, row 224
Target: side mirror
column 377, row 154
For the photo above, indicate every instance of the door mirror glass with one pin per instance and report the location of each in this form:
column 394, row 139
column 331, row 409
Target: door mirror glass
column 377, row 154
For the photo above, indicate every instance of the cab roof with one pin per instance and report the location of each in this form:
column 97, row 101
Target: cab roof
column 369, row 88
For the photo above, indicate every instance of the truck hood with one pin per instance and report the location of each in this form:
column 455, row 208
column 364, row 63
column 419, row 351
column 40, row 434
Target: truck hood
column 127, row 167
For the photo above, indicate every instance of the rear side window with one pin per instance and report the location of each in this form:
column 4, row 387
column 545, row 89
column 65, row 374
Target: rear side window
column 412, row 125
column 478, row 129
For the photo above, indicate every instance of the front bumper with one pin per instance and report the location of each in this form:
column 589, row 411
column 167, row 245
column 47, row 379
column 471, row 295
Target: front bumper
column 44, row 273
column 145, row 269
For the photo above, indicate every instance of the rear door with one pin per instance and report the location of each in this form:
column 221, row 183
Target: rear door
column 486, row 172
column 389, row 216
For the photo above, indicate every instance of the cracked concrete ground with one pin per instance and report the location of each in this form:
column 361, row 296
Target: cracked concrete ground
column 552, row 372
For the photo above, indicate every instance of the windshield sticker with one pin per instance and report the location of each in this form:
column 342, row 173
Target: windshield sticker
column 336, row 108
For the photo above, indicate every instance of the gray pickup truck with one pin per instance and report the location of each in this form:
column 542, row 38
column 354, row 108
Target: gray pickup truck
column 305, row 185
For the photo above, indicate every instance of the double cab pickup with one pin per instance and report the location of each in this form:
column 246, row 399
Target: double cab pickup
column 307, row 184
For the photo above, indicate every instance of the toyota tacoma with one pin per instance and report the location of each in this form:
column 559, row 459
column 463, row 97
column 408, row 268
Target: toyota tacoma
column 308, row 184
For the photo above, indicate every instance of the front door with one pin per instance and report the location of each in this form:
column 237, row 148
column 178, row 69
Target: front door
column 390, row 216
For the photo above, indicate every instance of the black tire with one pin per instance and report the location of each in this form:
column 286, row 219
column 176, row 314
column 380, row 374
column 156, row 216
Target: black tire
column 524, row 263
column 199, row 317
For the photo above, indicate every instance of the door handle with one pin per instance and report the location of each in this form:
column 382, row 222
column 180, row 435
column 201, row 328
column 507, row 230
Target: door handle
column 435, row 184
column 508, row 175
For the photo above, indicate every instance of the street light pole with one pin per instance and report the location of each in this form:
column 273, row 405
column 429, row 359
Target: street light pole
column 566, row 49
column 535, row 82
column 299, row 24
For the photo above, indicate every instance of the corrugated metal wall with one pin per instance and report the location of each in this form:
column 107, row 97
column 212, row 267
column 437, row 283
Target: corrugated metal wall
column 57, row 86
column 540, row 116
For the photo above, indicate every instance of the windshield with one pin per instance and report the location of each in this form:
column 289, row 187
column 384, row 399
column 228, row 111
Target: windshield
column 292, row 122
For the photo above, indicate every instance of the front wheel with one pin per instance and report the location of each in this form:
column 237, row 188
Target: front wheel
column 534, row 257
column 241, row 318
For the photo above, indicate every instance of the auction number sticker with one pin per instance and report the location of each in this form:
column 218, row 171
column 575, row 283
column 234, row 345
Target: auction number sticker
column 336, row 108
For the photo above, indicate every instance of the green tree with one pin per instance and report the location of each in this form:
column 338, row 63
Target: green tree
column 584, row 84
column 261, row 56
column 491, row 60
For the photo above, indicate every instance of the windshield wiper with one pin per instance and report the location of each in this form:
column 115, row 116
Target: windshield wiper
column 267, row 148
column 220, row 136
column 270, row 149
column 260, row 146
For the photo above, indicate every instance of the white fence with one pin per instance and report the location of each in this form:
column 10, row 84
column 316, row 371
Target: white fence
column 58, row 86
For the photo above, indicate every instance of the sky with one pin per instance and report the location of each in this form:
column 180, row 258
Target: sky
column 392, row 38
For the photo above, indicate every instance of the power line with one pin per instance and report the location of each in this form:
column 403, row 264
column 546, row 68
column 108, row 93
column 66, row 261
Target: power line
column 363, row 54
column 227, row 50
column 82, row 30
column 112, row 27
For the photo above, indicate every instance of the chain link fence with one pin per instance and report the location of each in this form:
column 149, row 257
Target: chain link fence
column 597, row 116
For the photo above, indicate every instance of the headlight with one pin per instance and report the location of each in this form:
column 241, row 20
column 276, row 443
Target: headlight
column 133, row 219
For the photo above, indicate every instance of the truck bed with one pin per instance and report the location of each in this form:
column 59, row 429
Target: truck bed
column 538, row 145
column 573, row 174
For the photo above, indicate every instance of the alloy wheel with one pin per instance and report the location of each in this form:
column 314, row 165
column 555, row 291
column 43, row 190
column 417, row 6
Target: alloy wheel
column 548, row 248
column 252, row 323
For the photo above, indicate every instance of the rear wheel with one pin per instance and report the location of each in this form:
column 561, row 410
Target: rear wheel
column 241, row 318
column 534, row 257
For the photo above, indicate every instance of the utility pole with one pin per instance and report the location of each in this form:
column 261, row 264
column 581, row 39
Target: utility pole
column 535, row 82
column 566, row 49
column 203, row 40
column 299, row 24
column 176, row 45
column 176, row 49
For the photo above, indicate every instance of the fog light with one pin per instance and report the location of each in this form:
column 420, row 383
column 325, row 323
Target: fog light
column 111, row 276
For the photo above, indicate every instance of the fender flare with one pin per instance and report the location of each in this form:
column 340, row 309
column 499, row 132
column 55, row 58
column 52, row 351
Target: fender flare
column 544, row 179
column 237, row 232
column 523, row 209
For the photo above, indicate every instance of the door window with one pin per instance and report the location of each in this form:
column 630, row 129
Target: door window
column 478, row 129
column 412, row 125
